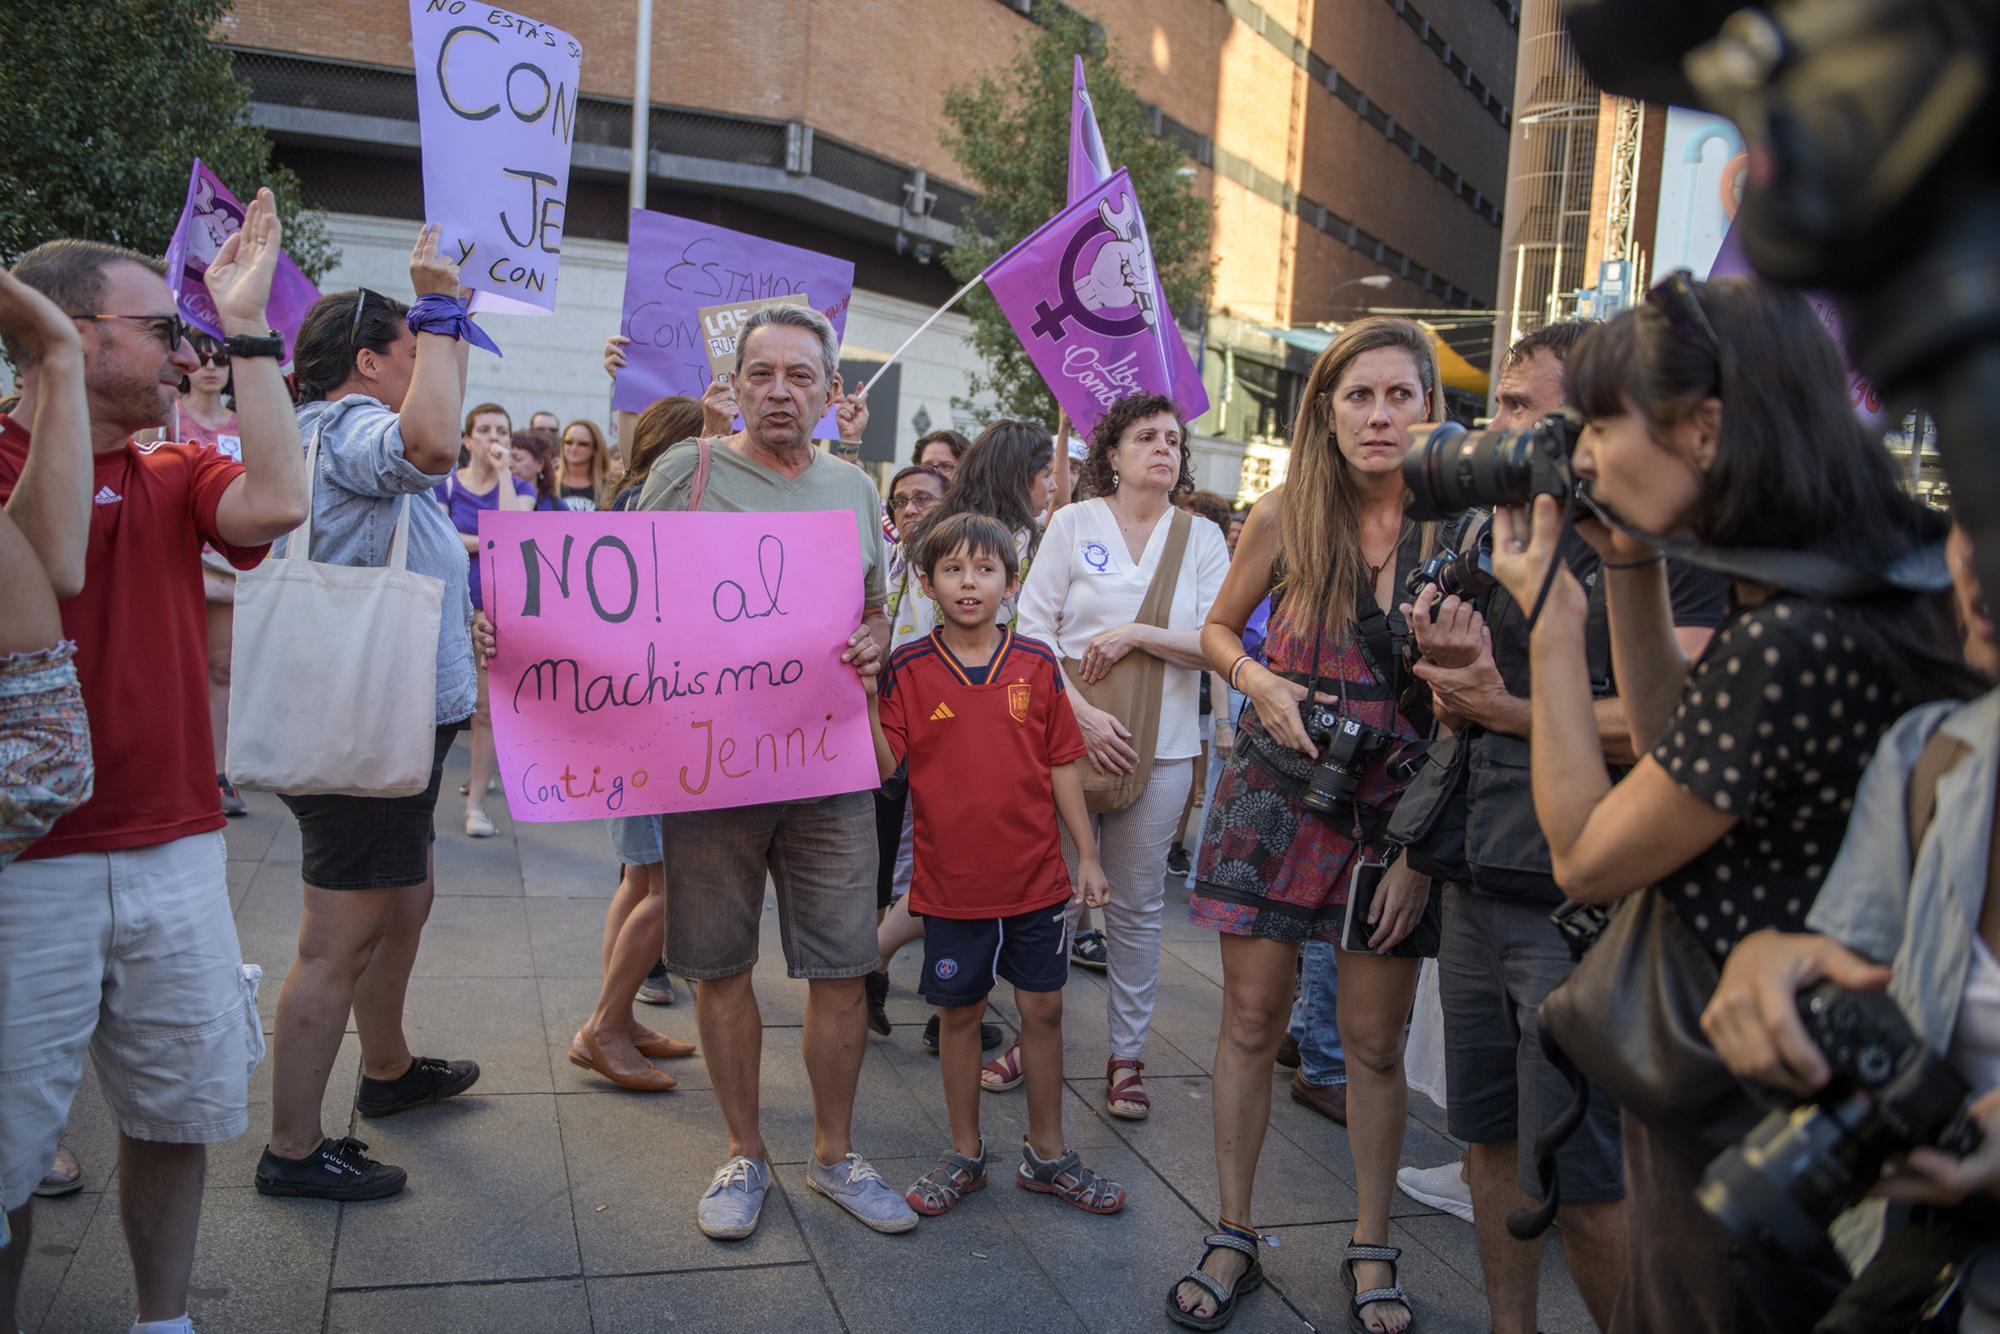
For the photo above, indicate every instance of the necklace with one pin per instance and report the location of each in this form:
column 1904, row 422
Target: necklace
column 1375, row 566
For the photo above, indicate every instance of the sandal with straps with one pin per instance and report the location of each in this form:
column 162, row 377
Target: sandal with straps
column 1248, row 1281
column 1362, row 1253
column 1086, row 1190
column 1003, row 1072
column 1129, row 1089
column 939, row 1190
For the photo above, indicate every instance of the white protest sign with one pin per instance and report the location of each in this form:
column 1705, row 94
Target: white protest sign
column 496, row 103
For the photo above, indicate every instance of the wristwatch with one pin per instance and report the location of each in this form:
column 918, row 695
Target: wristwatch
column 249, row 345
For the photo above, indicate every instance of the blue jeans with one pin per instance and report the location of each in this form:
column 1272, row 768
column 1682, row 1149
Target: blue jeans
column 1313, row 1025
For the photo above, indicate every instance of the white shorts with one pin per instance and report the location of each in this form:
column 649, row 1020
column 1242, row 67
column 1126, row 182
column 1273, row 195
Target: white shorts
column 132, row 956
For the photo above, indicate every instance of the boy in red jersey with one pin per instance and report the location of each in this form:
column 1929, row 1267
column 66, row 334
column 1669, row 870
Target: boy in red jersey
column 974, row 702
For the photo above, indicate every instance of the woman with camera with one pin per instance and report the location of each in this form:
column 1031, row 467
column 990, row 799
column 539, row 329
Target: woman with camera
column 1716, row 411
column 1100, row 566
column 1298, row 812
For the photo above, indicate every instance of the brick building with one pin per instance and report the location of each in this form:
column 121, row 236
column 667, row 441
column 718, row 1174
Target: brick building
column 1334, row 139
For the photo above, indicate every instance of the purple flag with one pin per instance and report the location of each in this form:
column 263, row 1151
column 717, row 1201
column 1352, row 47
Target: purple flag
column 1084, row 301
column 208, row 218
column 674, row 267
column 1730, row 261
column 1088, row 165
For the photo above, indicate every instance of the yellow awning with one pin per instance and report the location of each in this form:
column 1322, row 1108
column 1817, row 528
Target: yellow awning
column 1455, row 370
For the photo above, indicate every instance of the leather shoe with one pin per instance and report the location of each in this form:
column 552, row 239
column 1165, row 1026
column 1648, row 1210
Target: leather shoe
column 658, row 1046
column 1288, row 1052
column 583, row 1051
column 1329, row 1100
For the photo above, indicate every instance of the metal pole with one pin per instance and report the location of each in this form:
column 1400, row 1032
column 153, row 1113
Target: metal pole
column 642, row 103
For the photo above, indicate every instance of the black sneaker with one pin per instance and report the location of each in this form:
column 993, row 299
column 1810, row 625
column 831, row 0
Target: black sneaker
column 1088, row 950
column 232, row 800
column 336, row 1170
column 990, row 1036
column 1177, row 860
column 878, row 1002
column 427, row 1080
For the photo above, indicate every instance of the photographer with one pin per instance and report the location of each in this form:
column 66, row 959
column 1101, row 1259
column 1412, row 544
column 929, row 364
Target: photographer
column 1716, row 410
column 1277, row 859
column 1914, row 884
column 1501, row 954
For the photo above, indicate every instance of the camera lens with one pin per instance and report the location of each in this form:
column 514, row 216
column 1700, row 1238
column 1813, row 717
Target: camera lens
column 1450, row 469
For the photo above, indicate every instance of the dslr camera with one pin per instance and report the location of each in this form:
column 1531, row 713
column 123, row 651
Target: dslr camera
column 1784, row 1184
column 1465, row 574
column 1449, row 469
column 1346, row 745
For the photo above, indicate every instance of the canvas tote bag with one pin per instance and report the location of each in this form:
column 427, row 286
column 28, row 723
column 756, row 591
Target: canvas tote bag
column 1131, row 691
column 333, row 673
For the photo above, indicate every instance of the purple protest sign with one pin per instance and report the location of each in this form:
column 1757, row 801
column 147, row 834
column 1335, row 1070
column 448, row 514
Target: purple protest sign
column 1084, row 301
column 676, row 266
column 496, row 110
column 1730, row 261
column 208, row 218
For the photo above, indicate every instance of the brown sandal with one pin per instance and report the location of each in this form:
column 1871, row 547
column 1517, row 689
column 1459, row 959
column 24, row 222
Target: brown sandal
column 1002, row 1072
column 1129, row 1089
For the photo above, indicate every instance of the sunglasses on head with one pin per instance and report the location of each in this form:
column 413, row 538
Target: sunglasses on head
column 1675, row 298
column 169, row 329
column 361, row 296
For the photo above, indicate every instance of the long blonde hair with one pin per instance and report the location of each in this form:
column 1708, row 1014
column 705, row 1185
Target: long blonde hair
column 1319, row 512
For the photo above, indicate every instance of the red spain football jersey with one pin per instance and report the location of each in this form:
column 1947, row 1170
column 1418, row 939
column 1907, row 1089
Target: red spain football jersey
column 981, row 746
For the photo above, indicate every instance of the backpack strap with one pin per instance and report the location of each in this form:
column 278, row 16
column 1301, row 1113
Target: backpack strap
column 1941, row 753
column 704, row 453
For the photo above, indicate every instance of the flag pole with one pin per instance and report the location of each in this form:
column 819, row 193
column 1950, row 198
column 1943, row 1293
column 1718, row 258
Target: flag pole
column 955, row 299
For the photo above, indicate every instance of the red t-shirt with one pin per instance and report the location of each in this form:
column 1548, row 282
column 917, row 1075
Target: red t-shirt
column 980, row 748
column 141, row 635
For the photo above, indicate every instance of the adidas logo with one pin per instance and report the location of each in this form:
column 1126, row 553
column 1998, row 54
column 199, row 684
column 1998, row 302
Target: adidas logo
column 941, row 712
column 106, row 496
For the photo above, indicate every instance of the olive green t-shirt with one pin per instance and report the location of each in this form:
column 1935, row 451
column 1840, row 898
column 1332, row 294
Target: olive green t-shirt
column 737, row 485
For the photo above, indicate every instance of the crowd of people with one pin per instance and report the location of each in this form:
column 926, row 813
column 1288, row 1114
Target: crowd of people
column 1388, row 772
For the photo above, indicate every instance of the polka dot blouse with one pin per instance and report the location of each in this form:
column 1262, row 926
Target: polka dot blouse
column 1774, row 726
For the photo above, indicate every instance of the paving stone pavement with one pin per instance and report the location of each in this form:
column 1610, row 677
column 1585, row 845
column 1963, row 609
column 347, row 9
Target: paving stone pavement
column 546, row 1200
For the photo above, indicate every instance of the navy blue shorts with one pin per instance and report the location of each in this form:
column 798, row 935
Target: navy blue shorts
column 964, row 957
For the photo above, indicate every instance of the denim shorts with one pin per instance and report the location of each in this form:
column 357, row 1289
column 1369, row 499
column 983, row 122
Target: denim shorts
column 635, row 839
column 371, row 842
column 821, row 856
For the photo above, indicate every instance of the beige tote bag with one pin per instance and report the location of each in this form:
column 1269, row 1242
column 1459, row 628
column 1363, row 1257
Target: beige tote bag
column 333, row 674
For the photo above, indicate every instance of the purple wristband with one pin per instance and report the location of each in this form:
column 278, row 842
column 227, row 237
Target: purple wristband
column 440, row 314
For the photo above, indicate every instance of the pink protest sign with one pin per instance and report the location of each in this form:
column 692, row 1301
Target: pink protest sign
column 673, row 662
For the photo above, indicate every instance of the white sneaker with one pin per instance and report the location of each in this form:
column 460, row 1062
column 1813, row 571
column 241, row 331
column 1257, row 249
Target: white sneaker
column 1442, row 1187
column 478, row 826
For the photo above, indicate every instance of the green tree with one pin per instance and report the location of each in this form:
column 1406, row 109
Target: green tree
column 109, row 101
column 1010, row 131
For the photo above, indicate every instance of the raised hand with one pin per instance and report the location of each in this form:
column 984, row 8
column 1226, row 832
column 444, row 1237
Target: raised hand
column 432, row 273
column 239, row 277
column 614, row 354
column 34, row 321
column 850, row 412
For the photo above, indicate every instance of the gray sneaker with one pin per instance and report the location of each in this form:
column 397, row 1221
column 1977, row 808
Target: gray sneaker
column 858, row 1188
column 729, row 1207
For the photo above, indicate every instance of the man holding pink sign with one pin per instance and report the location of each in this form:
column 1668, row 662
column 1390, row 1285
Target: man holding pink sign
column 821, row 852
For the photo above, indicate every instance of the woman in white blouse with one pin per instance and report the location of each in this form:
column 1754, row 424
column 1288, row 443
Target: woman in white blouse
column 1096, row 562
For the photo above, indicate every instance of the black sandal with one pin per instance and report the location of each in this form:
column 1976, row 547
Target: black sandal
column 1358, row 1252
column 1225, row 1298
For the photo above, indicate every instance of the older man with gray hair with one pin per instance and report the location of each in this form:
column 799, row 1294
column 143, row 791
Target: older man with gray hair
column 820, row 853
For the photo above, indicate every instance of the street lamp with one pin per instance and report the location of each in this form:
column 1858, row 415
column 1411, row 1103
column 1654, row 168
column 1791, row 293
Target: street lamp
column 1378, row 281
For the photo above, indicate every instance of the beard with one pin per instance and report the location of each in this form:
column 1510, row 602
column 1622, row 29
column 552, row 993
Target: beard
column 131, row 401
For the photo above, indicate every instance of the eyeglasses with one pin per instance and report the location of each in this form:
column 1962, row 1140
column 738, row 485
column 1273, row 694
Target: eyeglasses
column 920, row 501
column 1675, row 297
column 169, row 329
column 215, row 357
column 361, row 296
